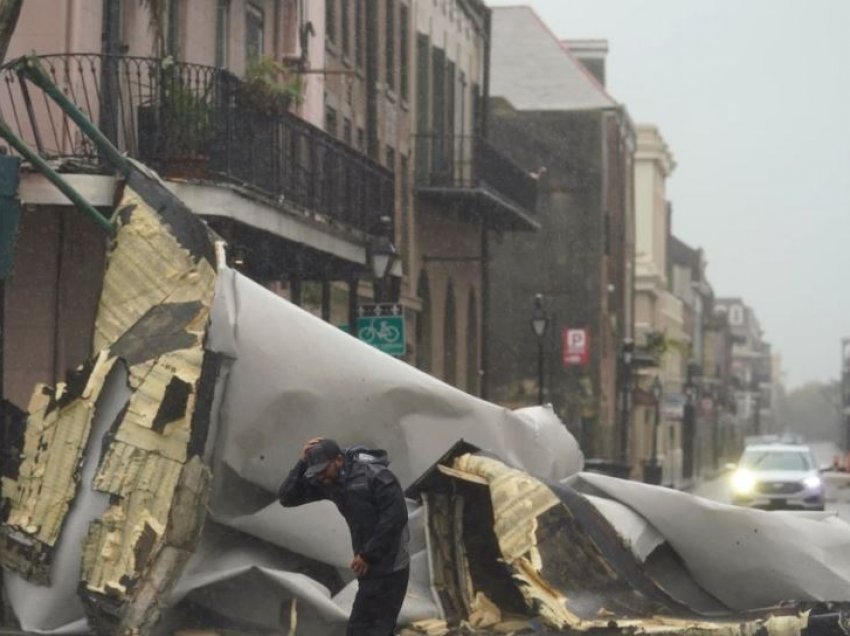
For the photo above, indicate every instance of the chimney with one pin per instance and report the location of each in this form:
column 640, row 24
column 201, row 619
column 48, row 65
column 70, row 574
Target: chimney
column 591, row 53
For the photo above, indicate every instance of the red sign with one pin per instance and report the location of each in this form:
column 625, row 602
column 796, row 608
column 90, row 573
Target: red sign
column 575, row 346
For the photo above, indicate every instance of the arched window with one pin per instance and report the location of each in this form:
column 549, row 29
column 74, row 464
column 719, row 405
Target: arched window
column 450, row 338
column 472, row 362
column 423, row 324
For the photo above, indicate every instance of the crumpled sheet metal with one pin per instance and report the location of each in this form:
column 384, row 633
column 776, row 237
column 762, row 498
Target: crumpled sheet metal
column 745, row 558
column 286, row 376
column 293, row 376
column 289, row 376
column 151, row 320
column 574, row 571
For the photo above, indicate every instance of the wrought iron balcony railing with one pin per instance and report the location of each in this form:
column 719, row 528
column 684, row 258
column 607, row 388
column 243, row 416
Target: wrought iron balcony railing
column 465, row 161
column 195, row 119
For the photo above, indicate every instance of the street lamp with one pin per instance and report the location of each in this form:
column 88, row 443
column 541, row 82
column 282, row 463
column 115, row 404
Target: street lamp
column 539, row 323
column 652, row 469
column 382, row 257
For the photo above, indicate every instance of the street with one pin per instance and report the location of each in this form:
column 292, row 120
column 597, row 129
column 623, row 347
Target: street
column 837, row 484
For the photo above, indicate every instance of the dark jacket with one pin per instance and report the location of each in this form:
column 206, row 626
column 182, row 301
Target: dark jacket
column 372, row 502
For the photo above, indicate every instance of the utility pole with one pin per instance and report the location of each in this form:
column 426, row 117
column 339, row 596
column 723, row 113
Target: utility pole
column 845, row 394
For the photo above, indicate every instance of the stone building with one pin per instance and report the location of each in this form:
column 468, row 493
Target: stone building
column 752, row 367
column 659, row 314
column 380, row 135
column 560, row 123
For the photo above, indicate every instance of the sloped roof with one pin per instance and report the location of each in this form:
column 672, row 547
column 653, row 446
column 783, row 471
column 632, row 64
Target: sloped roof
column 683, row 254
column 533, row 71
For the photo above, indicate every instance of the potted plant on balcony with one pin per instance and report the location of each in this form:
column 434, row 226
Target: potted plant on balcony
column 176, row 124
column 269, row 87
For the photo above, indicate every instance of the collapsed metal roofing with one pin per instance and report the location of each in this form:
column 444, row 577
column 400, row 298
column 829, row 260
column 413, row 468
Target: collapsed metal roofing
column 145, row 491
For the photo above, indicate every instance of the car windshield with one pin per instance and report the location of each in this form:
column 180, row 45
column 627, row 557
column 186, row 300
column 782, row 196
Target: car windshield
column 776, row 460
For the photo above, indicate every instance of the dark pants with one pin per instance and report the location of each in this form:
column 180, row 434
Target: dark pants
column 377, row 604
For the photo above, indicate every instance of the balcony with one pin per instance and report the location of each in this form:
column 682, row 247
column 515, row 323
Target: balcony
column 469, row 171
column 189, row 120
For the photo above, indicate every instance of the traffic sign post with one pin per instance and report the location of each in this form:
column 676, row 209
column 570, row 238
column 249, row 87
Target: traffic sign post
column 382, row 326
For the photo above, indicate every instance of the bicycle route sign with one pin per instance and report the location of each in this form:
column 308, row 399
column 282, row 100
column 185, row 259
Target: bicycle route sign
column 382, row 326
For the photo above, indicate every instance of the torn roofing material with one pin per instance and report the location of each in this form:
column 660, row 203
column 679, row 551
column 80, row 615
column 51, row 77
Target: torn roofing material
column 570, row 565
column 152, row 319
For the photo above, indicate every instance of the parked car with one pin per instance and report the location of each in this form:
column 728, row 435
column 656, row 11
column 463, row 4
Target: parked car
column 777, row 476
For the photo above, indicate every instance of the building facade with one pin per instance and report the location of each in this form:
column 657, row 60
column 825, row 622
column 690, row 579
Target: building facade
column 561, row 125
column 752, row 367
column 211, row 99
column 305, row 133
column 660, row 316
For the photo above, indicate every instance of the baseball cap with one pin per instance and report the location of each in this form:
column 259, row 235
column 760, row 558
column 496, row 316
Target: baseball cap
column 320, row 456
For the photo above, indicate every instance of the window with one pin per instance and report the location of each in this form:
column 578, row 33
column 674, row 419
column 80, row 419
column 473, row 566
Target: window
column 450, row 338
column 423, row 324
column 736, row 315
column 172, row 39
column 361, row 140
column 330, row 121
column 403, row 56
column 359, row 34
column 476, row 111
column 404, row 183
column 472, row 345
column 330, row 20
column 345, row 30
column 439, row 163
column 222, row 31
column 390, row 44
column 113, row 21
column 776, row 460
column 346, row 130
column 423, row 119
column 254, row 32
column 390, row 159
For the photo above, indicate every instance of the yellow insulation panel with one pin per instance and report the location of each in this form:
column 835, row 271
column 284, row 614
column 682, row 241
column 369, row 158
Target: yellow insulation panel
column 518, row 501
column 52, row 454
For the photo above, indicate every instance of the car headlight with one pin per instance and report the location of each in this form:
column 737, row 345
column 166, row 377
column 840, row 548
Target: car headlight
column 812, row 482
column 743, row 482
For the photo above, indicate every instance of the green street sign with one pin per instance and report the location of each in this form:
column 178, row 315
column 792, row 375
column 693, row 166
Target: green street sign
column 382, row 326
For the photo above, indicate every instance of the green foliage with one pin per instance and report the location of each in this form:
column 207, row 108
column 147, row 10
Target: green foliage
column 659, row 343
column 185, row 112
column 269, row 87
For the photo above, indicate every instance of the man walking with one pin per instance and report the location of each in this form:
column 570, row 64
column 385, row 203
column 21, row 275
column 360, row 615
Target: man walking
column 369, row 497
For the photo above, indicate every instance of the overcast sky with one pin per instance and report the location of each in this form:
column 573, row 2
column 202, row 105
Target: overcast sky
column 753, row 97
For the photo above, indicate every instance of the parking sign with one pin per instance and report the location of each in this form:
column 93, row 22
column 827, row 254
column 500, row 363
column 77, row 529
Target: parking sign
column 575, row 346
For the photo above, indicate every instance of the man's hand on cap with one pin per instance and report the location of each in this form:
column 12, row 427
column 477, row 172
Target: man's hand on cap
column 310, row 444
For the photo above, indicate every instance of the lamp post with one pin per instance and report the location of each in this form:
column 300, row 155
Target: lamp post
column 689, row 421
column 382, row 257
column 652, row 470
column 539, row 323
column 755, row 391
